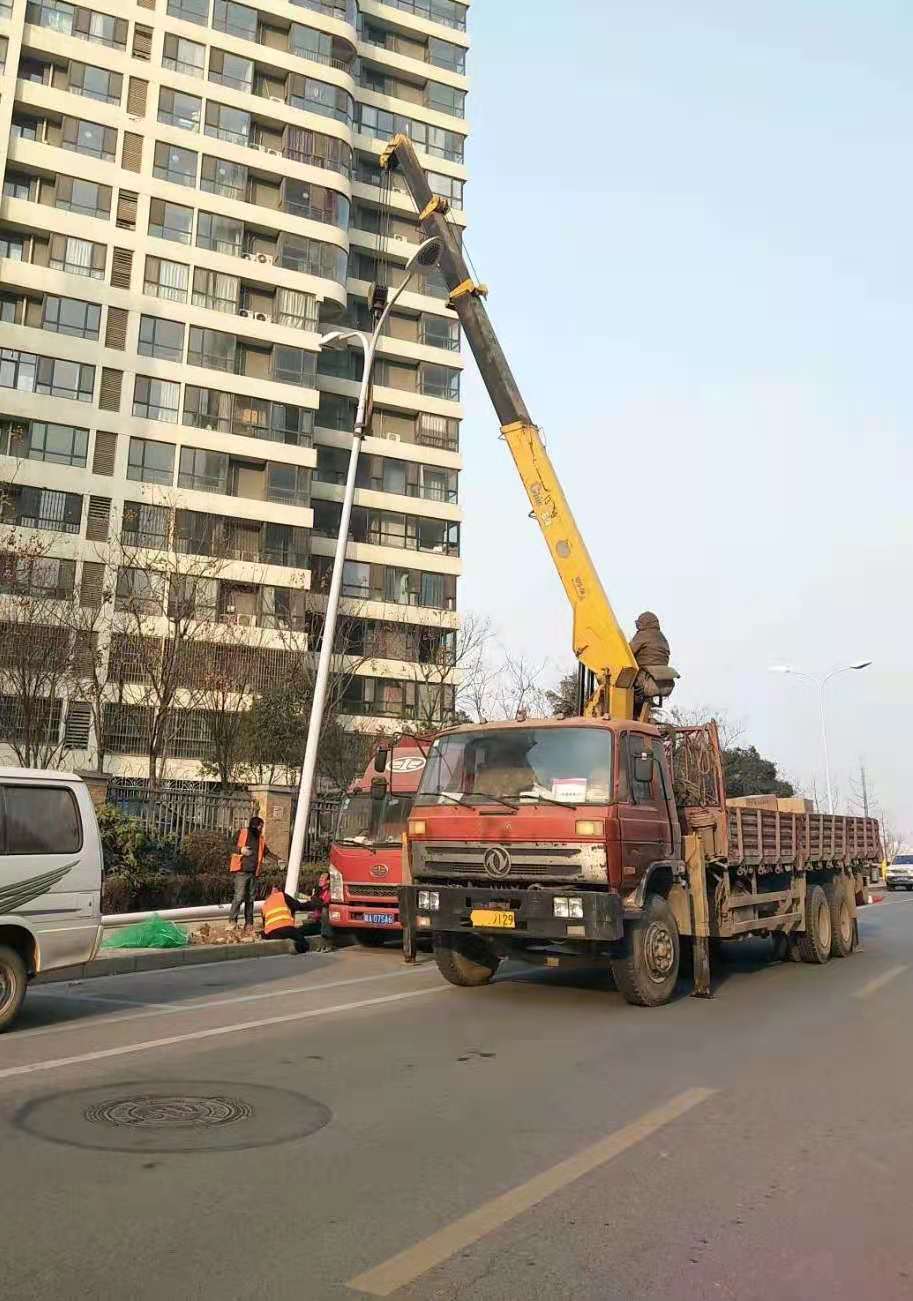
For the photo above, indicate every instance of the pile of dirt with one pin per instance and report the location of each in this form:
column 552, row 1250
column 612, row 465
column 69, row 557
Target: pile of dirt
column 207, row 934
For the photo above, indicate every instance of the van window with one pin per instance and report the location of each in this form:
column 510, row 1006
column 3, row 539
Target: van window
column 41, row 820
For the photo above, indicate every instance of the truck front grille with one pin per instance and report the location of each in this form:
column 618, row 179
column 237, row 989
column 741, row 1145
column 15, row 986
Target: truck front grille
column 538, row 862
column 355, row 890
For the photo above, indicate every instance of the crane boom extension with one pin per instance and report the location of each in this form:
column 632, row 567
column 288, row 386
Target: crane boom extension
column 599, row 642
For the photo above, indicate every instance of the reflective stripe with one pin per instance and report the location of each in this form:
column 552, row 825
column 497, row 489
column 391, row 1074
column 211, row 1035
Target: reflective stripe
column 276, row 914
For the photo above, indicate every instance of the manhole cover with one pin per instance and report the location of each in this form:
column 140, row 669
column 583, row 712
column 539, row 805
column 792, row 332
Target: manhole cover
column 169, row 1111
column 173, row 1116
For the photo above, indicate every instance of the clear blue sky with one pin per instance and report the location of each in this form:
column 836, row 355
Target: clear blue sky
column 695, row 221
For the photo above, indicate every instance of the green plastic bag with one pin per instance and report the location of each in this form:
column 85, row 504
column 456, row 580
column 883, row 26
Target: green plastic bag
column 156, row 933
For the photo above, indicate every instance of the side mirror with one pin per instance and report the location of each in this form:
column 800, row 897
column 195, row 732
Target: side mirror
column 643, row 768
column 380, row 760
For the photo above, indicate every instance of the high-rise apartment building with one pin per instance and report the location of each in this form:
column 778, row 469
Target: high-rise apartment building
column 191, row 198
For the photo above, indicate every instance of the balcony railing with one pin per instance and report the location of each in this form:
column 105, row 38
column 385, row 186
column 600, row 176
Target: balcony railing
column 433, row 12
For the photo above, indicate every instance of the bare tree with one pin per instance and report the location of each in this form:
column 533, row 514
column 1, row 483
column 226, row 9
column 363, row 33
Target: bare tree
column 36, row 649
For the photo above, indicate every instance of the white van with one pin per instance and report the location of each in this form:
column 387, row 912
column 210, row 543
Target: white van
column 50, row 878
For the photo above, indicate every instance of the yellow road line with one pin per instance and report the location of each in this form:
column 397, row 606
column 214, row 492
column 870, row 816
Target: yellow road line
column 410, row 1264
column 880, row 981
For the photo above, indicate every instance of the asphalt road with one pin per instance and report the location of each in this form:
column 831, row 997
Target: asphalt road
column 338, row 1125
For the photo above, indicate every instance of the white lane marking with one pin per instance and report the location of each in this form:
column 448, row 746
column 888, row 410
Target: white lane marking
column 166, row 1009
column 411, row 1264
column 76, row 996
column 879, row 982
column 212, row 1033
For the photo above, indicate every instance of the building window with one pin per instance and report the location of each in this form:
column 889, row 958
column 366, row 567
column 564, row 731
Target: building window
column 222, row 177
column 205, row 471
column 178, row 109
column 319, row 97
column 446, row 99
column 215, row 290
column 170, row 221
column 294, row 365
column 79, row 257
column 166, row 279
column 27, row 128
column 206, row 408
column 55, row 17
column 56, row 444
column 211, row 348
column 160, row 338
column 220, row 234
column 71, row 316
column 95, row 83
column 444, row 54
column 191, row 11
column 139, row 591
column 89, row 138
column 101, row 29
column 37, row 575
column 172, row 163
column 83, row 197
column 145, row 525
column 181, row 55
column 240, row 20
column 12, row 246
column 439, row 381
column 156, row 399
column 53, row 376
column 18, row 185
column 42, row 508
column 150, row 461
column 231, row 70
column 225, row 123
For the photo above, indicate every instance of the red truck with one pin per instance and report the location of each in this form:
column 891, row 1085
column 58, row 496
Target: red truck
column 366, row 853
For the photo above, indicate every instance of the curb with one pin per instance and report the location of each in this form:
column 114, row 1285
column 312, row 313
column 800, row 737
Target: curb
column 162, row 959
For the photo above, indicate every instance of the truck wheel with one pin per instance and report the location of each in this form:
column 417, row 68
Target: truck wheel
column 370, row 939
column 13, row 981
column 841, row 920
column 815, row 941
column 464, row 959
column 648, row 972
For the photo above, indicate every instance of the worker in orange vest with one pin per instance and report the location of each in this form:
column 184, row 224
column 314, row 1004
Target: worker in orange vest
column 247, row 860
column 278, row 915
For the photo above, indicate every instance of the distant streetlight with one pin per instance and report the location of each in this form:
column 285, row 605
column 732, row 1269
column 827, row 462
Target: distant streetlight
column 425, row 255
column 821, row 680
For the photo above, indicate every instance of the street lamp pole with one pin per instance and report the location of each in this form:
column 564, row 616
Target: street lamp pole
column 821, row 681
column 424, row 255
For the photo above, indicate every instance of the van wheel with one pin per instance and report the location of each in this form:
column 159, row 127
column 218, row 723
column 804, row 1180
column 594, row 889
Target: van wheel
column 815, row 942
column 464, row 959
column 841, row 920
column 648, row 972
column 13, row 981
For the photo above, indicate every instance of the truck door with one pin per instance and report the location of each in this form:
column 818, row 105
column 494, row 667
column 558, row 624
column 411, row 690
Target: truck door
column 643, row 814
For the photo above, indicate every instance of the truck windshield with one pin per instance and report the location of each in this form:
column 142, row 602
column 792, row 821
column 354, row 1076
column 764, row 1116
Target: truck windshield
column 571, row 765
column 355, row 826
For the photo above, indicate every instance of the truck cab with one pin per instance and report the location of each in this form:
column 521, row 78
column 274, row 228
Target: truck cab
column 538, row 832
column 366, row 853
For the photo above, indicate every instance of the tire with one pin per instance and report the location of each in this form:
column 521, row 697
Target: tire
column 815, row 940
column 842, row 929
column 465, row 960
column 13, row 982
column 892, row 888
column 369, row 939
column 648, row 972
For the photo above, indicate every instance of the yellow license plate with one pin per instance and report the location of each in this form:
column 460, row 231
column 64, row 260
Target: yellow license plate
column 488, row 917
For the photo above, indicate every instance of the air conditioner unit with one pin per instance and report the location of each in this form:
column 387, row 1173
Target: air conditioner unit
column 247, row 620
column 393, row 438
column 262, row 316
column 265, row 258
column 249, row 257
column 244, row 312
column 229, row 609
column 276, row 153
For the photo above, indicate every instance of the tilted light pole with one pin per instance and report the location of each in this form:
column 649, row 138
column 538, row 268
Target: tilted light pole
column 425, row 255
column 821, row 680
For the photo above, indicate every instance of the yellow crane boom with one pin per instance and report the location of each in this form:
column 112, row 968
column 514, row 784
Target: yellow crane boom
column 599, row 642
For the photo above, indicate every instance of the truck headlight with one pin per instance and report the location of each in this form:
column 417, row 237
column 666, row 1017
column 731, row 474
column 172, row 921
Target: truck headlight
column 570, row 908
column 429, row 901
column 337, row 890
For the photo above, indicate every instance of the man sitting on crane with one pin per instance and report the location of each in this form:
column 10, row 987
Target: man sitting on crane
column 651, row 650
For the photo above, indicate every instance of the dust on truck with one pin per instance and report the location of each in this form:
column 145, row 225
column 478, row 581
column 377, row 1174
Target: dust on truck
column 603, row 843
column 366, row 853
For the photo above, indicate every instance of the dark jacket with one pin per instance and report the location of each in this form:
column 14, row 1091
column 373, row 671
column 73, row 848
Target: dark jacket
column 649, row 645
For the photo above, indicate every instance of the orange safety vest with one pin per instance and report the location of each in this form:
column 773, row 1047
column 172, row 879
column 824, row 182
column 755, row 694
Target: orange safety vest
column 237, row 863
column 276, row 913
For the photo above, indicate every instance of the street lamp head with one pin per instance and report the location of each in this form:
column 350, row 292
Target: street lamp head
column 782, row 668
column 334, row 337
column 862, row 664
column 426, row 255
